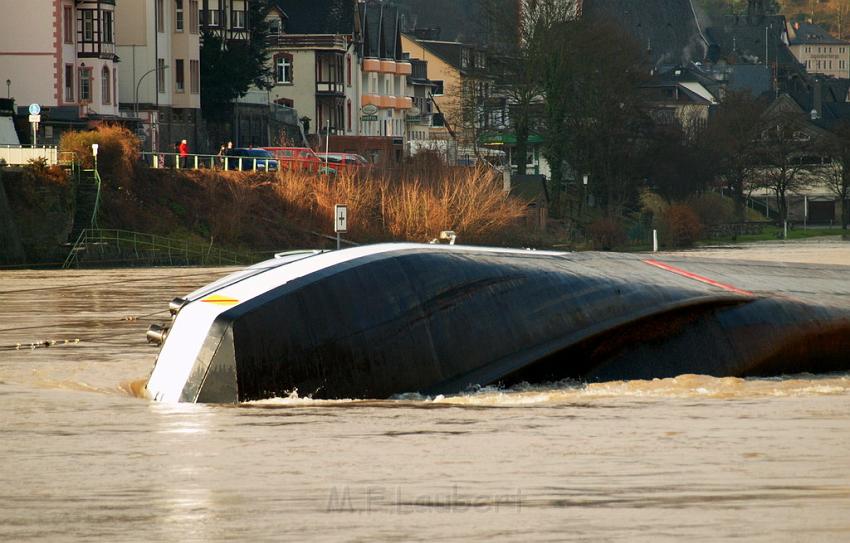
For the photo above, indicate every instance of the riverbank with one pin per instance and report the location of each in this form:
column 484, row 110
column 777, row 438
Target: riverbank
column 831, row 250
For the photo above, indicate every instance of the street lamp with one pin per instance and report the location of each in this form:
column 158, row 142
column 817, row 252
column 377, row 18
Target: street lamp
column 94, row 147
column 138, row 84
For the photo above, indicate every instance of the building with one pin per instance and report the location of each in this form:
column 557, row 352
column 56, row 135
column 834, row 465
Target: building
column 420, row 115
column 60, row 54
column 384, row 73
column 159, row 46
column 820, row 52
column 463, row 105
column 682, row 95
column 315, row 66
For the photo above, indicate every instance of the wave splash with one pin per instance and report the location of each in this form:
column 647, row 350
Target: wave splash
column 700, row 387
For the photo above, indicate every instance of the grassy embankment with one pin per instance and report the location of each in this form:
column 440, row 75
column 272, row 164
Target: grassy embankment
column 282, row 210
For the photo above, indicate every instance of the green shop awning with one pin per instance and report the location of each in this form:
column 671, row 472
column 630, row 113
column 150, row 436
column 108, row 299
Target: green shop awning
column 506, row 139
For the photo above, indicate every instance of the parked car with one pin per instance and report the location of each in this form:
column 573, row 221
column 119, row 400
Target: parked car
column 297, row 158
column 343, row 161
column 240, row 158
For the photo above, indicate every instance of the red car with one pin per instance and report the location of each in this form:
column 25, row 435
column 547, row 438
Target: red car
column 343, row 161
column 297, row 158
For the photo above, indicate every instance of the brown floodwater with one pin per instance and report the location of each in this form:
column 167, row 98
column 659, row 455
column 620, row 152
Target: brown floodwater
column 690, row 458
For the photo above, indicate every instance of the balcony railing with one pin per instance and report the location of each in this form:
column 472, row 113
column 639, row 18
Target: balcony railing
column 330, row 87
column 308, row 41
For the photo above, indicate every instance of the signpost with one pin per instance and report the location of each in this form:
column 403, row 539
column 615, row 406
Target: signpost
column 35, row 118
column 340, row 221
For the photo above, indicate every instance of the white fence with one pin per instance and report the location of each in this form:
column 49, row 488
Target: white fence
column 14, row 155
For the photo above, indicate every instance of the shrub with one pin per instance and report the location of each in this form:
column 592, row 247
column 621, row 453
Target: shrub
column 118, row 150
column 606, row 234
column 680, row 226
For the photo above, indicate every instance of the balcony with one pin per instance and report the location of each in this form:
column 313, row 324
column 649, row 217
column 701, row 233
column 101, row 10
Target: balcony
column 403, row 102
column 308, row 41
column 387, row 102
column 330, row 87
column 388, row 66
column 371, row 65
column 403, row 68
column 372, row 99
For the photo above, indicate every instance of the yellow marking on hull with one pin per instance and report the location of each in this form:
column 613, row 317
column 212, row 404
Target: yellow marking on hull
column 218, row 299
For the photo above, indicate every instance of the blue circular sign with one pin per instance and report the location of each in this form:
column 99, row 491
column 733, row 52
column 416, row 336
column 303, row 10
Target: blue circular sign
column 35, row 109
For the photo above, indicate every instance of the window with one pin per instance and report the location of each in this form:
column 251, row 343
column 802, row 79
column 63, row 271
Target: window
column 464, row 58
column 285, row 102
column 194, row 76
column 237, row 19
column 348, row 70
column 88, row 25
column 179, row 78
column 213, row 17
column 69, row 82
column 275, row 26
column 283, row 68
column 348, row 113
column 115, row 85
column 107, row 27
column 105, row 86
column 160, row 75
column 193, row 16
column 438, row 120
column 158, row 13
column 438, row 88
column 178, row 15
column 68, row 24
column 85, row 84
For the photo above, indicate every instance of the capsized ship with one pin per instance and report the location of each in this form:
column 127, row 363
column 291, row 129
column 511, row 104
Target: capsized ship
column 381, row 320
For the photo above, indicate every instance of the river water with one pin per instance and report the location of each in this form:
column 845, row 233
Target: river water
column 84, row 458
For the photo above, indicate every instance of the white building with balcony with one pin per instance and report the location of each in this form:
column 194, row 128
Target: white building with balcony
column 60, row 54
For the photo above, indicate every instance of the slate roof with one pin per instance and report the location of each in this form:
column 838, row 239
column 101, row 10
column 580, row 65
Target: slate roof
column 381, row 30
column 805, row 34
column 318, row 16
column 742, row 41
column 449, row 51
column 669, row 28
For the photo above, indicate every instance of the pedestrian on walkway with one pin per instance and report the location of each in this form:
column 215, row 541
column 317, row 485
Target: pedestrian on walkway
column 183, row 149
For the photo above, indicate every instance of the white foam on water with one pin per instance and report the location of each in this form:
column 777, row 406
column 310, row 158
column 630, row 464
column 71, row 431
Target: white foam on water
column 689, row 386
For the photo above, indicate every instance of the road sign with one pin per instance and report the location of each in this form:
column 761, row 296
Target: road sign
column 35, row 109
column 368, row 117
column 35, row 119
column 341, row 221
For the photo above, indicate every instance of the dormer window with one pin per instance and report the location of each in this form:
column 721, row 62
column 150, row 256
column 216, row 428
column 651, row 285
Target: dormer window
column 275, row 26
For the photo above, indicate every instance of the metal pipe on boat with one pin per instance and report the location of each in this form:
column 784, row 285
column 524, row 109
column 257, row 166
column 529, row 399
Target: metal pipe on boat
column 175, row 305
column 157, row 333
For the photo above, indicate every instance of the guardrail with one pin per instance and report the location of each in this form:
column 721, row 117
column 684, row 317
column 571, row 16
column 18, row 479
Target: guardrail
column 19, row 155
column 209, row 162
column 124, row 247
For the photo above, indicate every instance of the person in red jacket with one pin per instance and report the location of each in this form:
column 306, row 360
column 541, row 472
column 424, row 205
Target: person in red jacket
column 183, row 149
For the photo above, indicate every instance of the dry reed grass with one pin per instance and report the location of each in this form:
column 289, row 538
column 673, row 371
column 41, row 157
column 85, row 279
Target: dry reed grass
column 411, row 204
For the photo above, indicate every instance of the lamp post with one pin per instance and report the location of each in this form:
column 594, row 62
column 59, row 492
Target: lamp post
column 138, row 84
column 94, row 147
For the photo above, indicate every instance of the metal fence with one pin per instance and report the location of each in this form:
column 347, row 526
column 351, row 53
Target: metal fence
column 18, row 155
column 96, row 246
column 209, row 162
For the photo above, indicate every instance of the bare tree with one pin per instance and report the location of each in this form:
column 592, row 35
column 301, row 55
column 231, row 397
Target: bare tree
column 837, row 176
column 595, row 122
column 520, row 50
column 732, row 138
column 785, row 154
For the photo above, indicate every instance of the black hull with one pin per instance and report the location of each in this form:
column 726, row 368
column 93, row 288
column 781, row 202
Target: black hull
column 437, row 322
